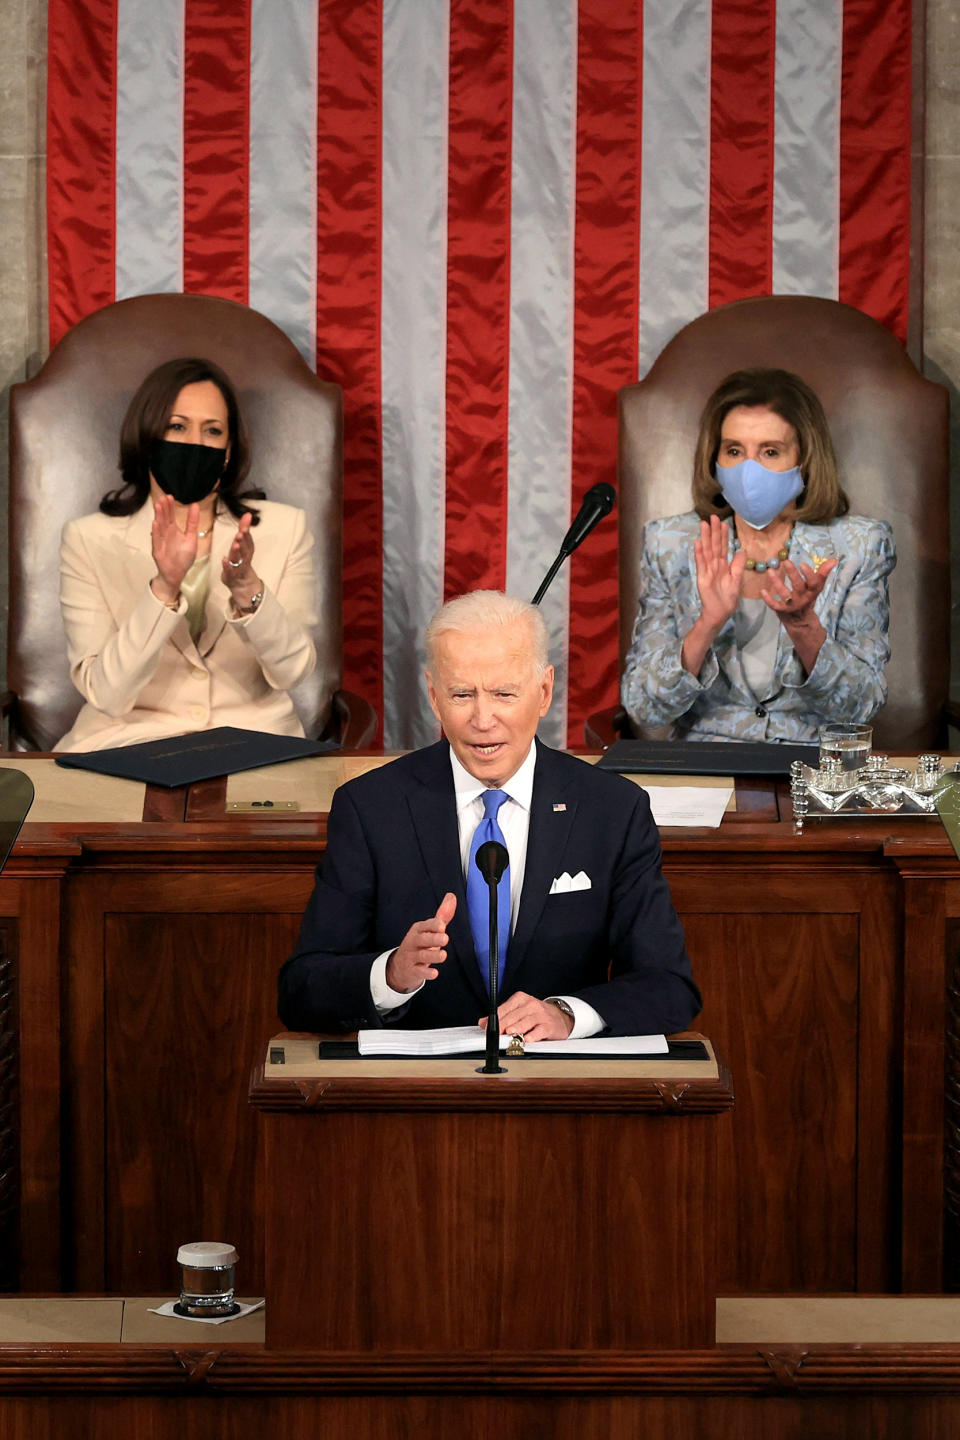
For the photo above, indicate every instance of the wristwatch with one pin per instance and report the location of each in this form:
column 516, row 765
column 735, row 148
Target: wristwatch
column 254, row 602
column 562, row 1005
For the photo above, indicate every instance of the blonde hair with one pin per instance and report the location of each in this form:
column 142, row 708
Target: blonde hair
column 822, row 497
column 482, row 610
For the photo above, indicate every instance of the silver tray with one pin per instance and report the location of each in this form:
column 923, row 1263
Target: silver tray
column 877, row 792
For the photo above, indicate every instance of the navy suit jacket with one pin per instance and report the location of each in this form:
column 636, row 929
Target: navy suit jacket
column 393, row 851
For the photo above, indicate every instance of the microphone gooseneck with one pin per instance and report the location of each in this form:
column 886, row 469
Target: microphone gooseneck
column 598, row 502
column 491, row 860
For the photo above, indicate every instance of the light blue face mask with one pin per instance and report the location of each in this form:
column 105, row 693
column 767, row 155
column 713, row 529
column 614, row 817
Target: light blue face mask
column 756, row 493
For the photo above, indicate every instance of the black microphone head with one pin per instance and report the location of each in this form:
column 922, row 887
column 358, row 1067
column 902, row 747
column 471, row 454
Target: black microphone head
column 598, row 502
column 603, row 495
column 491, row 860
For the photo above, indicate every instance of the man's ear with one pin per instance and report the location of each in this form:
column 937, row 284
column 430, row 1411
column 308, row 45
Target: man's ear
column 546, row 690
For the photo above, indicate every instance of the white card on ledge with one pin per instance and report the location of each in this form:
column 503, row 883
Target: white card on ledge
column 688, row 804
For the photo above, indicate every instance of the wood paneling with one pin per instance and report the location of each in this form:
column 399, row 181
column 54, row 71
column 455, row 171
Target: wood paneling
column 31, row 892
column 798, row 969
column 182, row 1157
column 822, row 958
column 844, row 1393
column 173, row 986
column 532, row 1213
column 518, row 1232
column 9, row 1110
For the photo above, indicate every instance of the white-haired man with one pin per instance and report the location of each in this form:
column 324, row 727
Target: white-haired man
column 396, row 929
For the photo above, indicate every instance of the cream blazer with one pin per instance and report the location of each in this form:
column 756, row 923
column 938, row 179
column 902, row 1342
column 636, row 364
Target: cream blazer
column 132, row 659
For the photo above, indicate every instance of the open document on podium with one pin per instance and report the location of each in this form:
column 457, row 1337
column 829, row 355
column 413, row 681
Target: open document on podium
column 468, row 1039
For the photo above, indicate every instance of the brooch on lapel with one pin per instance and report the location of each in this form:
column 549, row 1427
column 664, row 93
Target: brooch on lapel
column 558, row 808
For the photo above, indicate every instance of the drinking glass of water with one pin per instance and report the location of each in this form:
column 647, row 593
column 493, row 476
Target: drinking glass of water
column 849, row 744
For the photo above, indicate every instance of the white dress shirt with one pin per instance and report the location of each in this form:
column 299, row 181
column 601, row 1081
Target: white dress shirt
column 514, row 821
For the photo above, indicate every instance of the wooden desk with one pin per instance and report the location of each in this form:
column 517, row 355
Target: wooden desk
column 151, row 952
column 216, row 1385
column 420, row 1207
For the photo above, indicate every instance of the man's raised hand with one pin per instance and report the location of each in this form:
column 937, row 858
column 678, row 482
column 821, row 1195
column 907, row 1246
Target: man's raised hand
column 422, row 949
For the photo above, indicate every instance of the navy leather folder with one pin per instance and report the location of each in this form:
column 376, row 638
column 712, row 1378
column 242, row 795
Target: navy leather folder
column 704, row 757
column 185, row 759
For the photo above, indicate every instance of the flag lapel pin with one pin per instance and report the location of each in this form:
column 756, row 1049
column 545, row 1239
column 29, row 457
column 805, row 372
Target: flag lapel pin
column 558, row 808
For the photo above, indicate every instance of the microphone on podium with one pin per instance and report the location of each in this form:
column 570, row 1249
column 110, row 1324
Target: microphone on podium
column 491, row 860
column 598, row 502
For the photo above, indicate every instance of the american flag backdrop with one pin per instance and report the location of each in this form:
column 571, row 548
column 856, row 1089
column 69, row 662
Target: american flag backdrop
column 480, row 217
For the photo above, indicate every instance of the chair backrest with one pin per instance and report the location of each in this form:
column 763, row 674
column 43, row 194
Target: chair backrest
column 890, row 430
column 64, row 444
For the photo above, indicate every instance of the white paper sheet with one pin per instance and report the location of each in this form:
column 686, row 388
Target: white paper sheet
column 168, row 1309
column 688, row 804
column 464, row 1039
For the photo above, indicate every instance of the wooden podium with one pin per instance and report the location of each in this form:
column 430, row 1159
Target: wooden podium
column 417, row 1206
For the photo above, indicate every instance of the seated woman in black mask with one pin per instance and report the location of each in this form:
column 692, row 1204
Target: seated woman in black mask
column 185, row 607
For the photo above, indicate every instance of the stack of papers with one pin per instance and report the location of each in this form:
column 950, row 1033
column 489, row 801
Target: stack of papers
column 468, row 1039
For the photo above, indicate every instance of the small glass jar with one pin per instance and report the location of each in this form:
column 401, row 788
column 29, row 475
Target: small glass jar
column 832, row 778
column 207, row 1277
column 929, row 772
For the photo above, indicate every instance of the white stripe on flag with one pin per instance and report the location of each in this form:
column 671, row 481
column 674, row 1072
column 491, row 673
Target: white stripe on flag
column 413, row 352
column 541, row 317
column 283, row 168
column 149, row 141
column 674, row 172
column 806, row 189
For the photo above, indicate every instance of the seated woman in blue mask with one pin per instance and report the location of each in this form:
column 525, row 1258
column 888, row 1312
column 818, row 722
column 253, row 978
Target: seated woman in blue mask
column 763, row 611
column 185, row 606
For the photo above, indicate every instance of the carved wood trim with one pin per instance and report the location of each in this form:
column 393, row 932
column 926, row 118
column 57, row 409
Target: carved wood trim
column 250, row 1370
column 951, row 1117
column 679, row 1097
column 9, row 1111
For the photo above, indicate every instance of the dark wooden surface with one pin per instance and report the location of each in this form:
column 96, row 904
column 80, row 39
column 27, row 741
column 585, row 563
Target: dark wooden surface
column 511, row 1215
column 221, row 1392
column 147, row 959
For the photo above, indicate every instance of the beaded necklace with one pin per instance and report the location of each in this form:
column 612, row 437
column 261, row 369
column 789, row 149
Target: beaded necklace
column 761, row 566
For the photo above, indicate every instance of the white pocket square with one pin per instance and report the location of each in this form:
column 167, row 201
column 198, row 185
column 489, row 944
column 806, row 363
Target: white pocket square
column 566, row 882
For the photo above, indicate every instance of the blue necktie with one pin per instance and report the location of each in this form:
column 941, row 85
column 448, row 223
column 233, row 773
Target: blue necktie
column 478, row 891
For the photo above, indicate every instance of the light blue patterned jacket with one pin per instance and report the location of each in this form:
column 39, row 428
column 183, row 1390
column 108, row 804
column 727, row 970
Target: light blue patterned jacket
column 847, row 681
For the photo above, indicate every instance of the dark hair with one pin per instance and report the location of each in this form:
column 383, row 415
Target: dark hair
column 146, row 420
column 822, row 497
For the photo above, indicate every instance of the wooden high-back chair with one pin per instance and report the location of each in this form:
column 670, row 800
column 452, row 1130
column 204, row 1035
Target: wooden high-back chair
column 64, row 444
column 889, row 429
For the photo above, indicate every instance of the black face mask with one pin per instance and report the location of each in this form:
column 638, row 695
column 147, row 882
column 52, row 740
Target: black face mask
column 187, row 472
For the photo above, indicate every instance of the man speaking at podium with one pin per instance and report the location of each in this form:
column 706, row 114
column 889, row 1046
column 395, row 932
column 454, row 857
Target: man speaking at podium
column 396, row 930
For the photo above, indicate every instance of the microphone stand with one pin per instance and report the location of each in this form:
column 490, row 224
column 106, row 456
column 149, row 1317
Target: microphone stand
column 548, row 578
column 491, row 1065
column 492, row 860
column 598, row 502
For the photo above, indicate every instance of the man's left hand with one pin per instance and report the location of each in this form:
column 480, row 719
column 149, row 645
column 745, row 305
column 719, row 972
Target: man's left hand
column 533, row 1019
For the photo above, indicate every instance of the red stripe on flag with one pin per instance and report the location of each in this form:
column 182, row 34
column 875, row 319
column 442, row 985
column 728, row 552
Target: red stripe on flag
column 605, row 344
column 81, row 158
column 875, row 101
column 216, row 148
column 742, row 75
column 478, row 293
column 348, row 309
